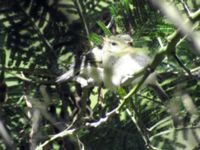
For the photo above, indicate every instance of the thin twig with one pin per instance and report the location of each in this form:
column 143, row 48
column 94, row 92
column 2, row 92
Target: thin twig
column 56, row 136
column 159, row 123
column 186, row 9
column 160, row 42
column 182, row 65
column 80, row 12
column 141, row 128
column 173, row 130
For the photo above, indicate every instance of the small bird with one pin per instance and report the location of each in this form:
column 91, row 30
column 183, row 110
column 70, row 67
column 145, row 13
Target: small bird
column 115, row 65
column 121, row 62
column 90, row 70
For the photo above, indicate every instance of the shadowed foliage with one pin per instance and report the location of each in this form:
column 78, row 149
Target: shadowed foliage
column 40, row 39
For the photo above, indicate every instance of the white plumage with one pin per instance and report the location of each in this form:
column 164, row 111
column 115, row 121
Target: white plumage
column 121, row 62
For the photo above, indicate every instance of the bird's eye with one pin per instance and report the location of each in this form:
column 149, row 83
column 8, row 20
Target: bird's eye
column 113, row 43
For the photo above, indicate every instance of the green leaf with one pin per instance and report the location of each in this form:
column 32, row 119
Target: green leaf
column 104, row 28
column 95, row 38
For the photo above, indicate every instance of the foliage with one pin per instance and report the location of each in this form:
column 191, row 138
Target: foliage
column 41, row 39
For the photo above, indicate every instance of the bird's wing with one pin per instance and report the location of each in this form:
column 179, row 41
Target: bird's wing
column 67, row 75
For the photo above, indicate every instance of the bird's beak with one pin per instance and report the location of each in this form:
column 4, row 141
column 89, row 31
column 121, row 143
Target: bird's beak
column 105, row 39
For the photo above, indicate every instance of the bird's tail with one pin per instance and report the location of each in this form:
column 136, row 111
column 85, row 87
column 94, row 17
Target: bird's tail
column 66, row 76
